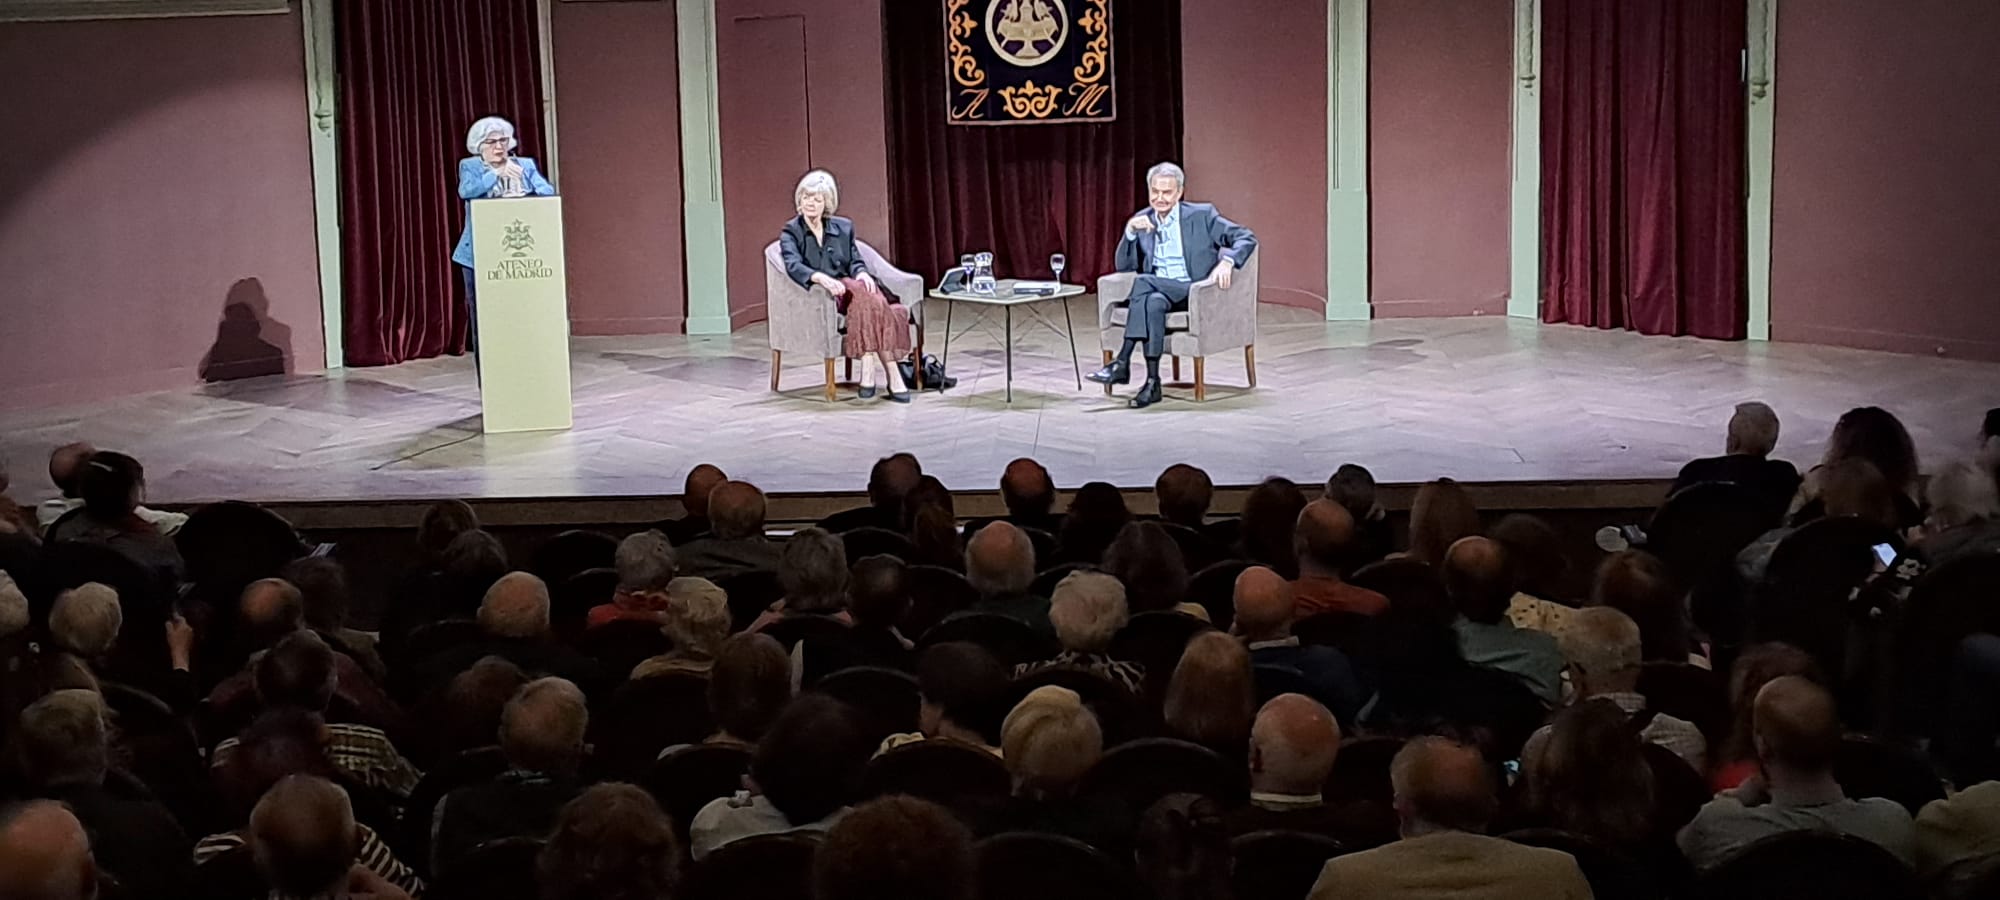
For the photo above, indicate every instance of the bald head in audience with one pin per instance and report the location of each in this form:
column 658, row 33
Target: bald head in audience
column 1293, row 743
column 1184, row 493
column 702, row 480
column 303, row 837
column 1263, row 605
column 271, row 609
column 1000, row 560
column 736, row 510
column 66, row 463
column 45, row 854
column 1441, row 785
column 86, row 619
column 1476, row 578
column 516, row 606
column 1797, row 729
column 1027, row 489
column 542, row 728
column 1323, row 538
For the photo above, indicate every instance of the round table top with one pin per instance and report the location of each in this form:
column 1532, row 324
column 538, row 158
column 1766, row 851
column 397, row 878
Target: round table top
column 1003, row 293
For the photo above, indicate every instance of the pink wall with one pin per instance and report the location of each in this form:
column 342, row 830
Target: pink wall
column 1253, row 83
column 1886, row 198
column 800, row 85
column 1440, row 89
column 149, row 175
column 618, row 108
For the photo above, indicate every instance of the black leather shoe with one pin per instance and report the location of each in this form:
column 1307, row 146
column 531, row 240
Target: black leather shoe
column 899, row 398
column 1148, row 395
column 1116, row 373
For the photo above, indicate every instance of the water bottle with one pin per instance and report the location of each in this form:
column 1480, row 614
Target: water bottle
column 982, row 273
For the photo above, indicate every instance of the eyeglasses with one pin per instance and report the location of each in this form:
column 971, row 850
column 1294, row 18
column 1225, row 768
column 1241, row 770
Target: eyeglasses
column 494, row 142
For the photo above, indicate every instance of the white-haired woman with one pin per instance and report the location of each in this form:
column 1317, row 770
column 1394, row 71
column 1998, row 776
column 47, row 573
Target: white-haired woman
column 819, row 250
column 491, row 171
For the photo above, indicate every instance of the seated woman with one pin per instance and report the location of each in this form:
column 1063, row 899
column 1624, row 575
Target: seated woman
column 818, row 249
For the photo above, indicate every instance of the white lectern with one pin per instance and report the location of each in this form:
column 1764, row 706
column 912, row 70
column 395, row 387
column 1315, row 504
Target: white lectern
column 523, row 300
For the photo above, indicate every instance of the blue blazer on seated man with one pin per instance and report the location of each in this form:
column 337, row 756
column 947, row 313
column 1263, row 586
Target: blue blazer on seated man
column 1171, row 245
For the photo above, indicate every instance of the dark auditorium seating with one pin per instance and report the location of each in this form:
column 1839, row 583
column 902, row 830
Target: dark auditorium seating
column 790, row 630
column 886, row 698
column 1690, row 692
column 413, row 842
column 1050, row 576
column 1361, row 771
column 1872, row 767
column 1009, row 639
column 1398, row 579
column 1155, row 640
column 688, row 778
column 571, row 552
column 872, row 541
column 1142, row 771
column 750, row 594
column 935, row 592
column 496, row 870
column 1031, row 866
column 622, row 644
column 766, row 867
column 954, row 775
column 1810, row 865
column 1213, row 588
column 571, row 599
column 642, row 717
column 1279, row 865
column 1613, row 875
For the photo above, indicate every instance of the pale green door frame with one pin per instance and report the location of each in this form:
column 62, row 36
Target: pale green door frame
column 707, row 262
column 1524, row 237
column 1347, row 161
column 1761, row 76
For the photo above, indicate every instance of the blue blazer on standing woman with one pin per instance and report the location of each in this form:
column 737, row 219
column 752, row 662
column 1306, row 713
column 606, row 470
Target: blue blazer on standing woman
column 477, row 181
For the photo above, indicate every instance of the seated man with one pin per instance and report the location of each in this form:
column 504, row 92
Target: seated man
column 64, row 752
column 1000, row 565
column 646, row 566
column 1264, row 621
column 1601, row 646
column 1030, row 496
column 305, row 843
column 45, row 853
column 1746, row 460
column 1797, row 733
column 1171, row 245
column 300, row 672
column 888, row 480
column 1324, row 539
column 541, row 735
column 735, row 541
column 1293, row 743
column 1477, row 579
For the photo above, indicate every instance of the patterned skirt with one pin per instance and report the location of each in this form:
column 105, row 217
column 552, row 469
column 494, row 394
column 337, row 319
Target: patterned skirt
column 874, row 322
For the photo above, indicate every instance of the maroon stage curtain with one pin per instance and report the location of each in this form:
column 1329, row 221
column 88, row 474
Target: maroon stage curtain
column 1643, row 165
column 1025, row 191
column 414, row 75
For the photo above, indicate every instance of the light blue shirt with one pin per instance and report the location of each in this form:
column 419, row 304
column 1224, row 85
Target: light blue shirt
column 1530, row 656
column 1169, row 260
column 477, row 181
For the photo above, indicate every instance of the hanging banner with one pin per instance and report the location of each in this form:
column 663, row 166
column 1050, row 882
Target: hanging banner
column 1018, row 62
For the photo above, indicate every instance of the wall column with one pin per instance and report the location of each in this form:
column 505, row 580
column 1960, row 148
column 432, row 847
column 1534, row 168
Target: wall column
column 701, row 171
column 1347, row 161
column 1525, row 232
column 322, row 93
column 1760, row 128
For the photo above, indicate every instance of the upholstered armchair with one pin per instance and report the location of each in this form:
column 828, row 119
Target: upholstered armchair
column 1215, row 321
column 804, row 320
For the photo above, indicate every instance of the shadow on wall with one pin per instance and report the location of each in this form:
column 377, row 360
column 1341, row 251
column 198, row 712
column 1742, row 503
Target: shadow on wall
column 248, row 342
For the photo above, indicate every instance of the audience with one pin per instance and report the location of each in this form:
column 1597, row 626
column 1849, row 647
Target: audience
column 1961, row 827
column 1087, row 610
column 1030, row 497
column 1000, row 565
column 303, row 839
column 697, row 621
column 111, row 487
column 1845, row 487
column 962, row 692
column 735, row 541
column 1441, row 515
column 895, row 847
column 931, row 521
column 1096, row 514
column 1753, row 434
column 813, row 571
column 890, row 480
column 1445, row 798
column 1293, row 744
column 66, row 467
column 468, row 710
column 322, row 585
column 1601, row 646
column 1270, row 518
column 1964, row 515
column 1353, row 487
column 1183, row 493
column 701, row 481
column 541, row 735
column 45, row 854
column 1590, row 777
column 1477, row 579
column 1541, row 569
column 272, row 611
column 1049, row 741
column 65, row 755
column 1872, row 435
column 1263, row 619
column 1212, row 699
column 1182, row 849
column 299, row 673
column 611, row 842
column 85, row 622
column 805, row 772
column 646, row 570
column 1639, row 585
column 879, row 596
column 1325, row 543
column 1758, row 665
column 514, row 617
column 1148, row 562
column 747, row 688
column 1797, row 734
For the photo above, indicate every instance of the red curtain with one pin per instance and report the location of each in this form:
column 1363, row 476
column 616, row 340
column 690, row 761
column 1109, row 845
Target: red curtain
column 1025, row 191
column 1643, row 165
column 414, row 75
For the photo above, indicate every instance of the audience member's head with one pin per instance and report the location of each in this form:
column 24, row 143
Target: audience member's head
column 1323, row 539
column 1756, row 666
column 303, row 837
column 1753, row 430
column 1096, row 512
column 1000, row 560
column 441, row 524
column 891, row 479
column 1270, row 517
column 13, row 607
column 111, row 485
column 878, row 590
column 645, row 562
column 931, row 521
column 1478, row 580
column 474, row 700
column 697, row 617
column 322, row 584
column 1048, row 741
column 809, row 763
column 1602, row 647
column 1147, row 560
column 61, row 740
column 1639, row 585
column 736, row 511
column 1264, row 605
column 964, row 687
column 1541, row 568
column 1027, row 489
column 1961, row 492
column 542, row 727
column 271, row 608
column 1293, row 743
column 1591, row 776
column 297, row 671
column 611, row 842
column 45, row 853
column 66, row 467
column 473, row 561
column 1184, row 492
column 1854, row 487
column 1441, row 785
column 1797, row 728
column 516, row 606
column 278, row 743
column 749, row 685
column 1441, row 515
column 1871, row 433
column 1182, row 849
column 896, row 846
column 1353, row 487
column 86, row 619
column 812, row 568
column 1087, row 609
column 701, row 482
column 1212, row 698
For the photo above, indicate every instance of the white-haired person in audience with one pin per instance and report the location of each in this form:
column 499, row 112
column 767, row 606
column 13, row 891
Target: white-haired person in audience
column 515, row 618
column 697, row 621
column 813, row 572
column 1601, row 649
column 1445, row 799
column 66, row 471
column 1746, row 461
column 819, row 250
column 63, row 746
column 541, row 735
column 1087, row 610
column 1048, row 742
column 490, row 171
column 85, row 622
column 45, row 853
column 646, row 570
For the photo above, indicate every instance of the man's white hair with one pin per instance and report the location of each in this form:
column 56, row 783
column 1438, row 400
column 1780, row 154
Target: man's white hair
column 1171, row 171
column 1601, row 642
column 1753, row 429
column 487, row 126
column 1087, row 608
column 818, row 181
column 1961, row 492
column 86, row 619
column 13, row 606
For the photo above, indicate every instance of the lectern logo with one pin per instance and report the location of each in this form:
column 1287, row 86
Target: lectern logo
column 518, row 240
column 1026, row 32
column 520, row 263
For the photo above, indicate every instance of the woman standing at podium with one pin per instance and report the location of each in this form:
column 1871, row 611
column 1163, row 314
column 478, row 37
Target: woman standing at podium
column 818, row 249
column 491, row 171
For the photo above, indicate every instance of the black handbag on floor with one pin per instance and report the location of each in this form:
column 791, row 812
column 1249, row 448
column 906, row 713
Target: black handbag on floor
column 934, row 377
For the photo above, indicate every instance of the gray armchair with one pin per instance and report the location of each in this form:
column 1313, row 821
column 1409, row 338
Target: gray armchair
column 804, row 320
column 1216, row 320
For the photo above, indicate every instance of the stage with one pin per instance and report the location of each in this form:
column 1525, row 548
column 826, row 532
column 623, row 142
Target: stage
column 1479, row 399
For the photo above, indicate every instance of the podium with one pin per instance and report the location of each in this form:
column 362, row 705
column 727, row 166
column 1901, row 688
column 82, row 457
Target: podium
column 523, row 300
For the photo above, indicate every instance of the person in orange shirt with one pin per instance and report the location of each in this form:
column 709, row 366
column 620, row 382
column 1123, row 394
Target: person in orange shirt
column 1325, row 541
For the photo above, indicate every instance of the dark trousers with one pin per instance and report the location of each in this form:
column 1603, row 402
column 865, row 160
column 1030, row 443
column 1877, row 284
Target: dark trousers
column 471, row 309
column 1153, row 297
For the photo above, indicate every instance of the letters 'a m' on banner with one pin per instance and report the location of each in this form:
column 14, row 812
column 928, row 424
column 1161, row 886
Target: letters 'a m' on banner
column 1019, row 62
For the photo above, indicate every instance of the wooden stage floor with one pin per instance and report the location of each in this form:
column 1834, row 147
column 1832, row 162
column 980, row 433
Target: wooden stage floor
column 1479, row 399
